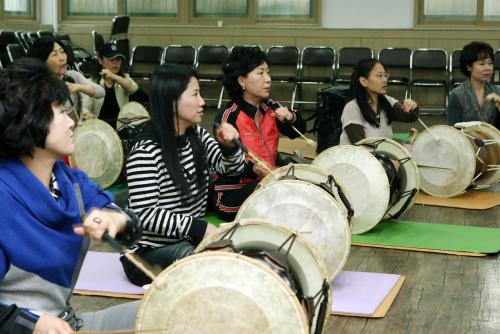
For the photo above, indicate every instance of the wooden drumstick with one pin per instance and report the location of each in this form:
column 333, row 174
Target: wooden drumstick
column 423, row 124
column 112, row 242
column 435, row 167
column 125, row 331
column 308, row 141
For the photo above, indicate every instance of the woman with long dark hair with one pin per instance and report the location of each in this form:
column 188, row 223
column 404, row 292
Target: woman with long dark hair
column 168, row 170
column 371, row 112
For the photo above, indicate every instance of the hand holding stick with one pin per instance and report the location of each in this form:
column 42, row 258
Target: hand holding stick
column 423, row 124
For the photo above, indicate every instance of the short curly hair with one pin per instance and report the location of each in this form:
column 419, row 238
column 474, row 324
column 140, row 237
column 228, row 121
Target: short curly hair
column 241, row 61
column 27, row 92
column 472, row 52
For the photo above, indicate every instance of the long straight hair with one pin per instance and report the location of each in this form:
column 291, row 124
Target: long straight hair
column 168, row 82
column 363, row 69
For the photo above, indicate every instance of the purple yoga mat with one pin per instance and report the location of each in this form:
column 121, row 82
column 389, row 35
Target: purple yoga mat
column 103, row 272
column 360, row 292
column 353, row 292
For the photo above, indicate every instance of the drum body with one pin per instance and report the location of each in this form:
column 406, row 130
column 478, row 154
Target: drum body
column 315, row 175
column 130, row 123
column 220, row 292
column 451, row 160
column 310, row 211
column 366, row 182
column 306, row 268
column 98, row 152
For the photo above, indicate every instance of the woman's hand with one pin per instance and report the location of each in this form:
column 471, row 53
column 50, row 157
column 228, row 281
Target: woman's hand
column 87, row 116
column 409, row 105
column 226, row 134
column 283, row 115
column 107, row 74
column 493, row 97
column 99, row 221
column 50, row 324
column 260, row 168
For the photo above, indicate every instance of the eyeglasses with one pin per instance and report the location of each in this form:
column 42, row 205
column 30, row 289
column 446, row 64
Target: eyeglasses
column 381, row 76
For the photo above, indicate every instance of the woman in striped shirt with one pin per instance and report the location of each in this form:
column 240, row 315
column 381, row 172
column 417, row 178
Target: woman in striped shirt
column 168, row 170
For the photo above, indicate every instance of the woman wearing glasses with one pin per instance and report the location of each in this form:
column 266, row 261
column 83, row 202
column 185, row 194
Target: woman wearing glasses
column 371, row 112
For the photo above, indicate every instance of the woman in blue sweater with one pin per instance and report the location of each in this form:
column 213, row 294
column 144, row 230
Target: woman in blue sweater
column 44, row 229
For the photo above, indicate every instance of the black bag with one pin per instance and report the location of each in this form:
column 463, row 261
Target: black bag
column 330, row 103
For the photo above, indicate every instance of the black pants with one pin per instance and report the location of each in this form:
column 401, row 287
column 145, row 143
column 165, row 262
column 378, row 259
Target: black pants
column 228, row 201
column 159, row 257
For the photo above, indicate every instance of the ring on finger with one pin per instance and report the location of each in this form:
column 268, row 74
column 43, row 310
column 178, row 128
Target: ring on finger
column 97, row 220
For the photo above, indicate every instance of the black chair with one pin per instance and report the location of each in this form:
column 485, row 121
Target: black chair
column 429, row 68
column 180, row 54
column 496, row 68
column 15, row 51
column 44, row 33
column 317, row 67
column 62, row 36
column 119, row 27
column 20, row 40
column 455, row 75
column 26, row 36
column 97, row 42
column 397, row 63
column 145, row 59
column 208, row 66
column 347, row 58
column 6, row 38
column 284, row 63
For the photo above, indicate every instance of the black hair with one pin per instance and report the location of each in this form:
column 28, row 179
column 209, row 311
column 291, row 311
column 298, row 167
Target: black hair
column 472, row 52
column 43, row 46
column 168, row 82
column 27, row 92
column 241, row 61
column 360, row 92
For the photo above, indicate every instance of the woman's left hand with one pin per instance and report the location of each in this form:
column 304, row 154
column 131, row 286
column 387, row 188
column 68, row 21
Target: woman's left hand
column 493, row 97
column 226, row 134
column 283, row 115
column 98, row 221
column 409, row 105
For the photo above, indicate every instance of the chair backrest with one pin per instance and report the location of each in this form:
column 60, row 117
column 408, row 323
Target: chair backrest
column 119, row 27
column 317, row 64
column 145, row 59
column 180, row 54
column 15, row 51
column 209, row 61
column 430, row 59
column 284, row 62
column 455, row 74
column 395, row 57
column 6, row 38
column 44, row 33
column 97, row 42
column 62, row 36
column 348, row 57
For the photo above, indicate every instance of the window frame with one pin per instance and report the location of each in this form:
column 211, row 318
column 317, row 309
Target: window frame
column 185, row 16
column 17, row 18
column 479, row 21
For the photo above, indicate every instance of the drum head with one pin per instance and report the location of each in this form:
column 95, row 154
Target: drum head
column 220, row 292
column 408, row 172
column 98, row 152
column 309, row 210
column 309, row 173
column 445, row 160
column 490, row 154
column 365, row 180
column 132, row 113
column 260, row 234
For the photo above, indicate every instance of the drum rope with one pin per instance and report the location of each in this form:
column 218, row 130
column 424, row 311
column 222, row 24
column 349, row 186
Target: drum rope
column 292, row 239
column 320, row 321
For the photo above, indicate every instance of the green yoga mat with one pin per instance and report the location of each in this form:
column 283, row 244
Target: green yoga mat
column 401, row 137
column 212, row 218
column 442, row 238
column 115, row 189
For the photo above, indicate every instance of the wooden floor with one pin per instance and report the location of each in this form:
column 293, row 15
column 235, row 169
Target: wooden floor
column 442, row 293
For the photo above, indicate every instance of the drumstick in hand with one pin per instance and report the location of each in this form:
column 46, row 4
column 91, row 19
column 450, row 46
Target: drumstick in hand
column 423, row 124
column 308, row 141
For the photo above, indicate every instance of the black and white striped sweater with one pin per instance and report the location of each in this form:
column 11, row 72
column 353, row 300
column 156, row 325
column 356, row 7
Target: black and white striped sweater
column 165, row 216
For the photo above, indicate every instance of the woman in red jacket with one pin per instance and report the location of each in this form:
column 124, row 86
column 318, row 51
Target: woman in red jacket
column 259, row 121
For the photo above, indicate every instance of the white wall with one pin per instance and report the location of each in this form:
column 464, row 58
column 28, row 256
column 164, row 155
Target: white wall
column 366, row 14
column 49, row 13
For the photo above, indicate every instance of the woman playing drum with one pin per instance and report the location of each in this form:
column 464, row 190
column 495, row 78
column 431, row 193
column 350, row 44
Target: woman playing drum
column 259, row 121
column 168, row 170
column 371, row 112
column 47, row 208
column 475, row 99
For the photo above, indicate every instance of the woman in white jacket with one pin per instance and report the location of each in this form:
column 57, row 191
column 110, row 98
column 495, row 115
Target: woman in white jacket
column 118, row 86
